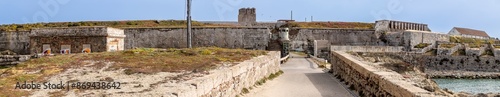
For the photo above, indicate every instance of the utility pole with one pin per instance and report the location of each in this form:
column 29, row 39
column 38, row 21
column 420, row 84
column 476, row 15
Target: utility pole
column 291, row 15
column 311, row 18
column 189, row 24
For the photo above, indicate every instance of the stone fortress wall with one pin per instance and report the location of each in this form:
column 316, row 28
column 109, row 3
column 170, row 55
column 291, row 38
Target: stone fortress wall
column 226, row 37
column 357, row 37
column 18, row 42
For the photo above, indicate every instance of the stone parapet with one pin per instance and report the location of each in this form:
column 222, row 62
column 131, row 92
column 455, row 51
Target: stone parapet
column 228, row 81
column 448, row 51
column 474, row 51
column 370, row 81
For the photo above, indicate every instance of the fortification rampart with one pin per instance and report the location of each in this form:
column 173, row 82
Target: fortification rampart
column 226, row 37
column 355, row 37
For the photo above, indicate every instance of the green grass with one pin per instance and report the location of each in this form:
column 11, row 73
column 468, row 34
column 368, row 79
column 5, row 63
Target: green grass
column 143, row 60
column 422, row 45
column 447, row 45
column 474, row 45
column 356, row 25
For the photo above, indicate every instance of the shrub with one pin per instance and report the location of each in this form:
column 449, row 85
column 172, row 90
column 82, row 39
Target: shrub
column 422, row 45
column 474, row 45
column 245, row 91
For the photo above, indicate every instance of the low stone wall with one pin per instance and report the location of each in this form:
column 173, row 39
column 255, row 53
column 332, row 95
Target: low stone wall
column 474, row 51
column 13, row 59
column 229, row 82
column 448, row 51
column 370, row 81
column 425, row 49
column 368, row 48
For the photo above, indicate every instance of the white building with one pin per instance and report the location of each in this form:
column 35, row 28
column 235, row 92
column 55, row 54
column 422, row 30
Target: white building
column 469, row 33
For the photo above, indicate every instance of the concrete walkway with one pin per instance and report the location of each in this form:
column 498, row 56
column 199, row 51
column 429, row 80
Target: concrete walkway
column 302, row 78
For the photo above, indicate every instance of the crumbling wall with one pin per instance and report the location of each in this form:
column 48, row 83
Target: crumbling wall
column 370, row 81
column 13, row 59
column 225, row 37
column 413, row 38
column 17, row 42
column 229, row 82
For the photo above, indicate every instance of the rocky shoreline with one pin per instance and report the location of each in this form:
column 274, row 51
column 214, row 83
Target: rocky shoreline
column 459, row 74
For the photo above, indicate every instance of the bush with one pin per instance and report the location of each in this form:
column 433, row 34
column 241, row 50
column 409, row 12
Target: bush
column 422, row 45
column 474, row 45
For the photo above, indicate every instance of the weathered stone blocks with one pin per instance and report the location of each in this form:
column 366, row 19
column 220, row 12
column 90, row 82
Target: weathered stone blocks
column 370, row 81
column 229, row 81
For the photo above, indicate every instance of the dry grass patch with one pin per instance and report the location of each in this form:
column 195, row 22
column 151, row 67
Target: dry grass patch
column 143, row 60
column 354, row 25
column 447, row 45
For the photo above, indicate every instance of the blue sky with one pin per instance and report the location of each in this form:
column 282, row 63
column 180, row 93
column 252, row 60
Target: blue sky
column 441, row 15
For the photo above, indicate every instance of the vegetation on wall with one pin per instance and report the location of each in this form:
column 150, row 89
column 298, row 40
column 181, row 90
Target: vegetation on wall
column 447, row 45
column 497, row 46
column 422, row 45
column 357, row 25
column 116, row 24
column 472, row 42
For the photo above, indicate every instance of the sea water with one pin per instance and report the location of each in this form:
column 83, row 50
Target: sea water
column 470, row 85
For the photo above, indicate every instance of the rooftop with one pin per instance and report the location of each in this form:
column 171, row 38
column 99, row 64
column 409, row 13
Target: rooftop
column 469, row 31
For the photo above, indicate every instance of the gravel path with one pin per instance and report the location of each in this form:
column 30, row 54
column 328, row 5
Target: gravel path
column 302, row 78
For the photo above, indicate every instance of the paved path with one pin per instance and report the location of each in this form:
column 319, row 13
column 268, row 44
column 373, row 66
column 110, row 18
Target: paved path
column 302, row 78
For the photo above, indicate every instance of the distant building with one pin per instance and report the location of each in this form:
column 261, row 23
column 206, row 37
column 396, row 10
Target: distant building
column 68, row 40
column 399, row 26
column 285, row 21
column 469, row 33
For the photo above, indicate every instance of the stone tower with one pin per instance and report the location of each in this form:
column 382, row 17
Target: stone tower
column 247, row 16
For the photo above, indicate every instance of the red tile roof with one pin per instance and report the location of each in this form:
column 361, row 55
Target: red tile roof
column 474, row 32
